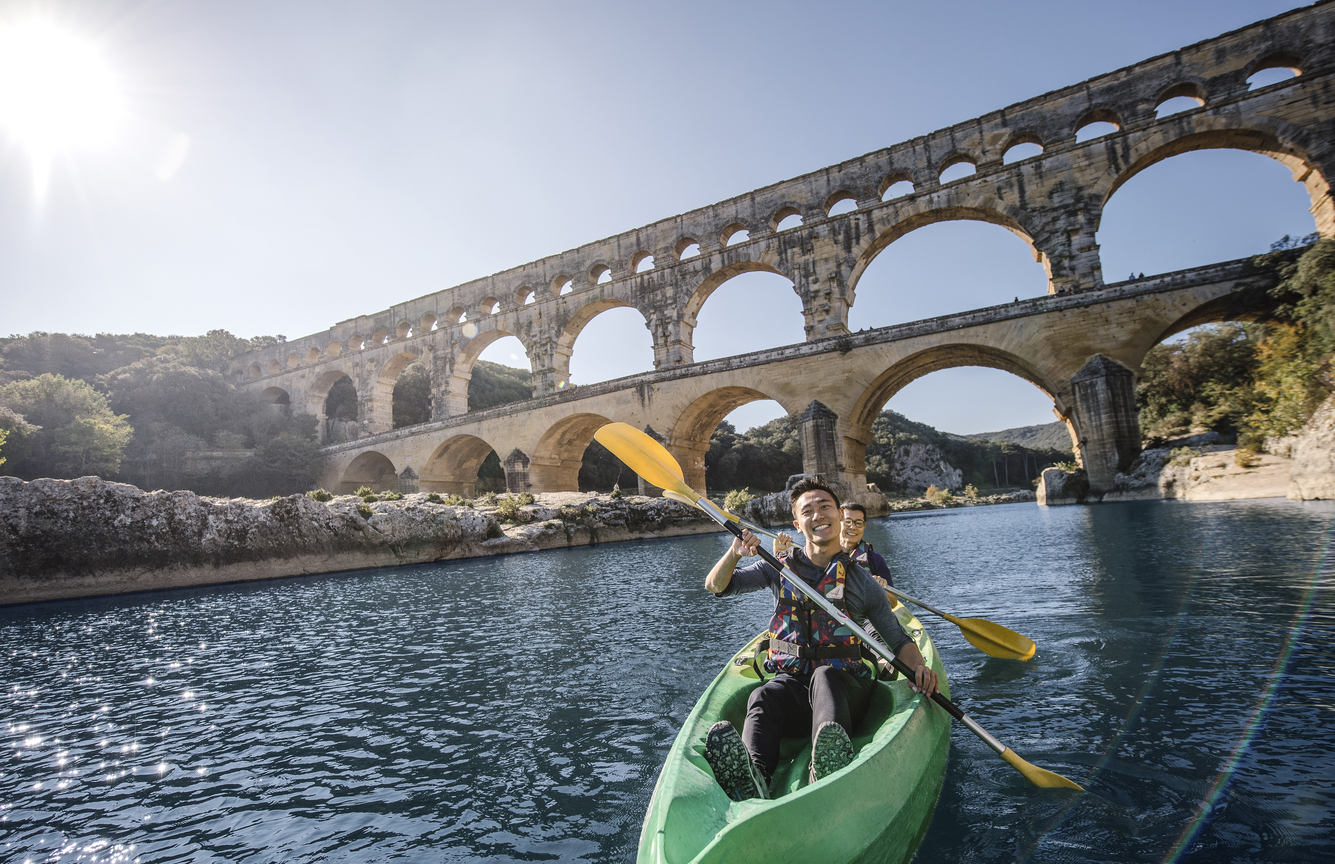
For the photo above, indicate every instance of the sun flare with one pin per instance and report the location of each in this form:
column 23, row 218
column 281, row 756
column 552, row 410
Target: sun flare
column 56, row 93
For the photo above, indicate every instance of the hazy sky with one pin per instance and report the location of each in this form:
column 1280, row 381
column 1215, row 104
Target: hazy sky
column 282, row 166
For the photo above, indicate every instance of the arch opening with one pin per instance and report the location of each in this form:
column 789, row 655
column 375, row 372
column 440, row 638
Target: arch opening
column 642, row 262
column 606, row 339
column 686, row 247
column 839, row 203
column 738, row 295
column 785, row 218
column 737, row 437
column 463, row 465
column 1020, row 151
column 501, row 374
column 412, row 396
column 336, row 401
column 600, row 274
column 734, row 234
column 1176, row 105
column 1196, row 206
column 1096, row 124
column 524, row 296
column 922, row 273
column 404, row 330
column 957, row 168
column 559, row 457
column 906, row 437
column 1271, row 75
column 370, row 469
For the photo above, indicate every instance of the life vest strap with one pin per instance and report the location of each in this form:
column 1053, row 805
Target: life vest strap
column 819, row 652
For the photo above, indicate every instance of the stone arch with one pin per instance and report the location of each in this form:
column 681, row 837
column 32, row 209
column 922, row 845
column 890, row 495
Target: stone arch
column 371, row 469
column 403, row 330
column 274, row 366
column 934, row 359
column 1292, row 147
column 835, row 197
column 319, row 390
column 711, row 283
column 452, row 467
column 560, row 452
column 276, row 396
column 781, row 214
column 689, row 436
column 461, row 371
column 959, row 157
column 312, row 355
column 1190, row 89
column 987, row 210
column 680, row 247
column 575, row 324
column 731, row 230
column 382, row 391
column 293, row 360
column 254, row 370
column 1275, row 60
column 891, row 179
column 426, row 323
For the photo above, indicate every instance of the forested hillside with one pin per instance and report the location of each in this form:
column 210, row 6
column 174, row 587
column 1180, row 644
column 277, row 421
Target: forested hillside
column 1047, row 436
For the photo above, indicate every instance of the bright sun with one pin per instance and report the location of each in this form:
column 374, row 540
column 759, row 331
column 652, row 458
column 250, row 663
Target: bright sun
column 56, row 94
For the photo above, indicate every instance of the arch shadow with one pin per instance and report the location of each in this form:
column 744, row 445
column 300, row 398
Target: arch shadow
column 369, row 469
column 560, row 452
column 452, row 467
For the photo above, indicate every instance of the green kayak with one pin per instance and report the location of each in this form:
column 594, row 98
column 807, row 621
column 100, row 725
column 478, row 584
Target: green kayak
column 875, row 810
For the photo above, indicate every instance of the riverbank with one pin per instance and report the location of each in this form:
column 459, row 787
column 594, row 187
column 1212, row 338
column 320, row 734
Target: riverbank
column 62, row 539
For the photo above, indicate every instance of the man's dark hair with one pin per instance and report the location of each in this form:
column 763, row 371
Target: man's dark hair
column 853, row 505
column 809, row 484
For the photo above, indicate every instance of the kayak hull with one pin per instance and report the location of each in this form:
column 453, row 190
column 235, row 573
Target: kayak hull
column 875, row 810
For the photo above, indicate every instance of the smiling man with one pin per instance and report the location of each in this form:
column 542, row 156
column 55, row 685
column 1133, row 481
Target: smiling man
column 821, row 686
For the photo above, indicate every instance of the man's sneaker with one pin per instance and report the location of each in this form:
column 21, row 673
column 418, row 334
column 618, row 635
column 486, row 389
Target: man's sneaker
column 831, row 751
column 733, row 769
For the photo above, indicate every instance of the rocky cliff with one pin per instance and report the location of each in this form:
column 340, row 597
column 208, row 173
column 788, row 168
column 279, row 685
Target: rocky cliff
column 78, row 538
column 920, row 465
column 1313, row 453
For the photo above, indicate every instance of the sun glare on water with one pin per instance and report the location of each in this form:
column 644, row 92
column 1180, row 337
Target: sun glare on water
column 56, row 94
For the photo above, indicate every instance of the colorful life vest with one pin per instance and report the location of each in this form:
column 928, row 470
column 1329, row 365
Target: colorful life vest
column 861, row 553
column 803, row 636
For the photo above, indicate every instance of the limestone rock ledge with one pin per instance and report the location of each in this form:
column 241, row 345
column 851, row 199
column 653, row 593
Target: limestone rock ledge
column 87, row 537
column 1313, row 454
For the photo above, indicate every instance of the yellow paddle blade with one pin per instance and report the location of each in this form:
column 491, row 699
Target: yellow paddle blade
column 644, row 456
column 994, row 640
column 1038, row 776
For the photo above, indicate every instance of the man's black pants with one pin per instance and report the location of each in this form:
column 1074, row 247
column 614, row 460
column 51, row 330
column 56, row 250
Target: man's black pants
column 797, row 705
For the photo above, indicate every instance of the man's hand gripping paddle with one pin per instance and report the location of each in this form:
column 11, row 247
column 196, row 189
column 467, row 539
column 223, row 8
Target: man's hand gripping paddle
column 651, row 460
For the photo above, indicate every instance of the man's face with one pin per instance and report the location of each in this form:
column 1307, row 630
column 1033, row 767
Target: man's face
column 817, row 517
column 853, row 525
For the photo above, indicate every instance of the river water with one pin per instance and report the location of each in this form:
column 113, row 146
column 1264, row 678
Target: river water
column 518, row 708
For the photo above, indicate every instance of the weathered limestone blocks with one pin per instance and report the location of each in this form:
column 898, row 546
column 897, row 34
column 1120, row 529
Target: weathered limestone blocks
column 87, row 537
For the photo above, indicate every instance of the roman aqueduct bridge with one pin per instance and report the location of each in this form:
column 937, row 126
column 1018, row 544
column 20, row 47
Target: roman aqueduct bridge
column 1082, row 344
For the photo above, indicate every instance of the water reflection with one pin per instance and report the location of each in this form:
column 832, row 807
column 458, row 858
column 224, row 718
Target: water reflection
column 518, row 709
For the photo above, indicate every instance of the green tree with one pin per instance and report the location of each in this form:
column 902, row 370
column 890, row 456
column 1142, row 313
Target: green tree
column 493, row 384
column 79, row 433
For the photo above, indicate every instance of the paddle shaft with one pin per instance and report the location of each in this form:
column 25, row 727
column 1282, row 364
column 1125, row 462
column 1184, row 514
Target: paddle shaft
column 872, row 643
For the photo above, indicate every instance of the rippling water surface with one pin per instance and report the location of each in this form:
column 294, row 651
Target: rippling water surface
column 518, row 709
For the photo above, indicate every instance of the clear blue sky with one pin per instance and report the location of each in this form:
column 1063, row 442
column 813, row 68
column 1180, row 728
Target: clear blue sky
column 344, row 156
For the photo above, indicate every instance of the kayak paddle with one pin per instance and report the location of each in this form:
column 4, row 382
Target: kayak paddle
column 644, row 456
column 989, row 637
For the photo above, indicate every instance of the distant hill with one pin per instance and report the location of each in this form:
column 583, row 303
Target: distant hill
column 1048, row 436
